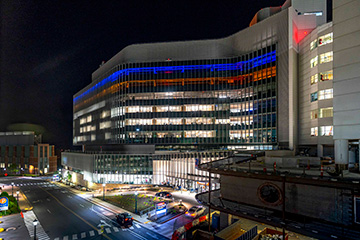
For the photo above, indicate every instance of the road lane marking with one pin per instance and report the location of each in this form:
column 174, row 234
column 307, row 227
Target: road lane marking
column 66, row 238
column 81, row 205
column 57, row 238
column 48, row 210
column 83, row 235
column 108, row 230
column 138, row 226
column 92, row 233
column 77, row 215
column 116, row 229
column 131, row 227
column 69, row 196
column 137, row 235
column 74, row 236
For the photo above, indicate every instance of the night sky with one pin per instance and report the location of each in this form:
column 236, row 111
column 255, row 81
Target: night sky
column 50, row 48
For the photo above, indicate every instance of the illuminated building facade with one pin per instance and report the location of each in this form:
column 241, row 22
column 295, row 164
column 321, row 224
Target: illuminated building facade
column 21, row 154
column 208, row 97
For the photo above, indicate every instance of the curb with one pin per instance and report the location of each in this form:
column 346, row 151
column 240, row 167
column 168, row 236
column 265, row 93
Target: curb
column 27, row 200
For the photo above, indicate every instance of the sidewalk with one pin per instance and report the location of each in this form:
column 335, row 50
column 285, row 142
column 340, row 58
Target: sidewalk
column 14, row 227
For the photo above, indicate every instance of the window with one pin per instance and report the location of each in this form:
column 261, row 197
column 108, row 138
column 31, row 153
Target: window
column 326, row 94
column 105, row 114
column 93, row 137
column 314, row 61
column 314, row 131
column 82, row 121
column 326, row 131
column 107, row 135
column 105, row 125
column 326, row 57
column 314, row 114
column 326, row 112
column 328, row 38
column 314, row 97
column 313, row 44
column 326, row 76
column 314, row 79
column 319, row 13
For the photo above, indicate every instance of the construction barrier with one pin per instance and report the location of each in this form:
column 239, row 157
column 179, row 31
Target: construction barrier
column 180, row 231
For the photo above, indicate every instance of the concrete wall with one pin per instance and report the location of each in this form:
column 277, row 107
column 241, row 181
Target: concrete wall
column 346, row 21
column 312, row 201
column 81, row 161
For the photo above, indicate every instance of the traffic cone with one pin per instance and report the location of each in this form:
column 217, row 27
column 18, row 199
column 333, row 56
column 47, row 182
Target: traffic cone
column 322, row 171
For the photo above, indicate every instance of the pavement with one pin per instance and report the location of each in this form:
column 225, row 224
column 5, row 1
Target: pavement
column 14, row 227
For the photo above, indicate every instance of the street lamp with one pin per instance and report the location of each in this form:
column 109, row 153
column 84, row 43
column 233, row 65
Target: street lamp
column 104, row 191
column 12, row 188
column 136, row 193
column 35, row 222
column 17, row 194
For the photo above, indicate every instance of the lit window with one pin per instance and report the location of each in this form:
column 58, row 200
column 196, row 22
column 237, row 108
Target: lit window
column 89, row 119
column 200, row 134
column 314, row 79
column 93, row 137
column 326, row 112
column 314, row 114
column 105, row 114
column 193, row 108
column 313, row 44
column 314, row 131
column 105, row 125
column 222, row 121
column 326, row 76
column 119, row 111
column 82, row 120
column 107, row 135
column 93, row 128
column 318, row 13
column 88, row 128
column 314, row 61
column 328, row 38
column 314, row 97
column 326, row 130
column 326, row 57
column 326, row 94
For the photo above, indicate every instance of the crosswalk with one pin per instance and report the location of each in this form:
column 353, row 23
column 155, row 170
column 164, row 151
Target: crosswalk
column 92, row 233
column 35, row 184
column 29, row 217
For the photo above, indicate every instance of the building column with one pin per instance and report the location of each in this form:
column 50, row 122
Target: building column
column 320, row 150
column 342, row 153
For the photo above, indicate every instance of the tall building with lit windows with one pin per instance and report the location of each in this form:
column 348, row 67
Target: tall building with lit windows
column 154, row 110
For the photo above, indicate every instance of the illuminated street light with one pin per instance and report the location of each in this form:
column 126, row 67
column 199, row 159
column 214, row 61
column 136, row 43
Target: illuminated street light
column 35, row 222
column 12, row 188
column 17, row 193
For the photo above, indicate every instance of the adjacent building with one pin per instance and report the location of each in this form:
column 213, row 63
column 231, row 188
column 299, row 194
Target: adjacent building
column 154, row 111
column 20, row 153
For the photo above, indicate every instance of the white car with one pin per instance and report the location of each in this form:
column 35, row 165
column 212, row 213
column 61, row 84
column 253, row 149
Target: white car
column 195, row 211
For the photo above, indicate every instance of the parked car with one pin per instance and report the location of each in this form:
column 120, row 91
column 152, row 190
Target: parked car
column 124, row 219
column 163, row 194
column 195, row 211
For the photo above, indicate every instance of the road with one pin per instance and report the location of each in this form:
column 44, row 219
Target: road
column 66, row 216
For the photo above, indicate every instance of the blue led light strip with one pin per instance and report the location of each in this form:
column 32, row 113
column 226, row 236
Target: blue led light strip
column 242, row 65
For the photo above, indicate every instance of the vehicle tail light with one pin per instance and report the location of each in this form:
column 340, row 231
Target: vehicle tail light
column 132, row 218
column 126, row 219
column 186, row 212
column 193, row 214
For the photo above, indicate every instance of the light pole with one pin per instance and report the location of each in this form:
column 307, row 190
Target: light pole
column 17, row 195
column 35, row 222
column 136, row 193
column 12, row 188
column 104, row 191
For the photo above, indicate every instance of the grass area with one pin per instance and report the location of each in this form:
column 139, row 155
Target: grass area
column 127, row 202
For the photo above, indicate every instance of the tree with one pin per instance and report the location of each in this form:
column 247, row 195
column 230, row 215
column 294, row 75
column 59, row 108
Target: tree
column 14, row 168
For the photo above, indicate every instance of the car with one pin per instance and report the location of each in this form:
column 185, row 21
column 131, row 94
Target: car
column 195, row 211
column 163, row 194
column 124, row 219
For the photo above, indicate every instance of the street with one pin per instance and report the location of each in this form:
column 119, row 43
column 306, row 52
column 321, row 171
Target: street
column 63, row 215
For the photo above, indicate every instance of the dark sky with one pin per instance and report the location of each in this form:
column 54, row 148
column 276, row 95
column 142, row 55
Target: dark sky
column 50, row 48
